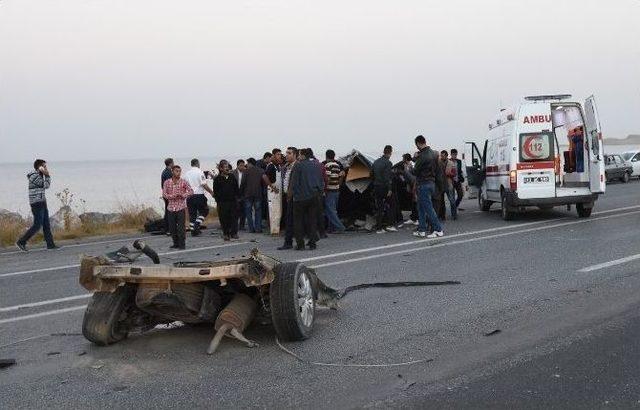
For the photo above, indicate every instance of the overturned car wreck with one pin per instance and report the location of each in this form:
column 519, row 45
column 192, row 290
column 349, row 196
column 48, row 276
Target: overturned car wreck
column 226, row 293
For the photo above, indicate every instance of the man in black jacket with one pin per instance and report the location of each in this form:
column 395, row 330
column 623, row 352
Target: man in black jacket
column 166, row 174
column 457, row 182
column 428, row 175
column 226, row 193
column 382, row 191
column 306, row 186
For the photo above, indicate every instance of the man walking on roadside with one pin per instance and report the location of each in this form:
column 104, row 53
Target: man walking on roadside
column 426, row 172
column 251, row 191
column 166, row 174
column 457, row 183
column 39, row 182
column 381, row 173
column 238, row 173
column 306, row 186
column 226, row 192
column 176, row 191
column 335, row 175
column 287, row 198
column 197, row 203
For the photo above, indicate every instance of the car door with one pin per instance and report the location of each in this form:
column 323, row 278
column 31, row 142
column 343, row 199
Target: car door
column 474, row 165
column 635, row 164
column 594, row 141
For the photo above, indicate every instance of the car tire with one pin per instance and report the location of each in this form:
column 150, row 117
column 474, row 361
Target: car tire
column 292, row 300
column 625, row 178
column 507, row 214
column 583, row 212
column 102, row 323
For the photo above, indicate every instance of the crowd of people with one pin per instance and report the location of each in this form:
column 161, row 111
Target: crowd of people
column 309, row 190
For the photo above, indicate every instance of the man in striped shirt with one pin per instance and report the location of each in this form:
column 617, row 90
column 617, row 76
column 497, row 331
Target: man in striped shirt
column 335, row 175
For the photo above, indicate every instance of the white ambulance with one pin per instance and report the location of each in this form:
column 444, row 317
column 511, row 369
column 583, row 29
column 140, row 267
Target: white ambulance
column 546, row 152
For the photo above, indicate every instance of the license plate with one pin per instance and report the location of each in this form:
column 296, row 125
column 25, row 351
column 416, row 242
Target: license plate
column 536, row 180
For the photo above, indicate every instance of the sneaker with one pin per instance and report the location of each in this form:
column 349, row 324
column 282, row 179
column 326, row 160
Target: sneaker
column 195, row 232
column 391, row 229
column 22, row 247
column 312, row 246
column 300, row 247
column 235, row 236
column 226, row 238
column 173, row 247
column 416, row 222
column 381, row 231
column 435, row 234
column 420, row 234
column 285, row 247
column 53, row 248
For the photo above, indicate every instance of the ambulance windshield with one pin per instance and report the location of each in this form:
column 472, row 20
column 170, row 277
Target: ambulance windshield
column 536, row 147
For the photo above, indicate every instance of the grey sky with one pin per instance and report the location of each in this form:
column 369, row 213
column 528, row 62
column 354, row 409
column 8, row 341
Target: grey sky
column 147, row 78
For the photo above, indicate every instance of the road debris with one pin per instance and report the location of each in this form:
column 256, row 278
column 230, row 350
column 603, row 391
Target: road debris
column 493, row 332
column 4, row 363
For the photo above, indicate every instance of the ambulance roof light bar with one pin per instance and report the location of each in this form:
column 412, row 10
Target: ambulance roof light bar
column 548, row 97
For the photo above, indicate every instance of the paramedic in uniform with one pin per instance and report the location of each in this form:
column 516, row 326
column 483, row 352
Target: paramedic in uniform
column 197, row 203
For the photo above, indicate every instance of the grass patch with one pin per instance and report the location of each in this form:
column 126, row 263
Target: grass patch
column 131, row 220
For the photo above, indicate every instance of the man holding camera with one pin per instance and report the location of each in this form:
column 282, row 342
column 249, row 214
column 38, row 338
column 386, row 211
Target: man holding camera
column 39, row 181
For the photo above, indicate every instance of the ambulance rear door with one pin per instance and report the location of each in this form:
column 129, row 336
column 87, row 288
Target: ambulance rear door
column 597, row 178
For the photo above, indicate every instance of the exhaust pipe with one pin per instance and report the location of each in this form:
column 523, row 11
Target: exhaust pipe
column 234, row 319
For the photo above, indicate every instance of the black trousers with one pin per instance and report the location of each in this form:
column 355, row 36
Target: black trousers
column 288, row 221
column 176, row 227
column 228, row 217
column 381, row 201
column 322, row 223
column 198, row 210
column 166, row 215
column 305, row 220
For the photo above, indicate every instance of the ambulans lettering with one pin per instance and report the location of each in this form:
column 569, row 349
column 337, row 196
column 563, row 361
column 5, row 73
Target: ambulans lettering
column 535, row 119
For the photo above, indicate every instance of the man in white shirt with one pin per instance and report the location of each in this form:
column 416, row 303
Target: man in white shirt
column 197, row 203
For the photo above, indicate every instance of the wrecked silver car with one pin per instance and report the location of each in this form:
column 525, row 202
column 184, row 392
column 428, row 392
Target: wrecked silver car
column 226, row 293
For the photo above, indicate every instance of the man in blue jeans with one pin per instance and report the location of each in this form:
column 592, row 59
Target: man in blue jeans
column 251, row 192
column 39, row 181
column 427, row 174
column 335, row 175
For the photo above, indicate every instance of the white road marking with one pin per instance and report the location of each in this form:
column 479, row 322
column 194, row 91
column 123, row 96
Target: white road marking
column 610, row 263
column 75, row 245
column 25, row 272
column 41, row 314
column 435, row 244
column 415, row 241
column 418, row 241
column 45, row 302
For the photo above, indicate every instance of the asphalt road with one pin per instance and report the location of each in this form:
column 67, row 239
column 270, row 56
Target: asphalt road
column 563, row 293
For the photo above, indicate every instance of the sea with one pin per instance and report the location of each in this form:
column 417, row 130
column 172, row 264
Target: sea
column 108, row 186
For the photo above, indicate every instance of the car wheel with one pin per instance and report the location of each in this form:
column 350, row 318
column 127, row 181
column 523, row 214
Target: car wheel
column 583, row 212
column 507, row 214
column 625, row 178
column 106, row 311
column 292, row 299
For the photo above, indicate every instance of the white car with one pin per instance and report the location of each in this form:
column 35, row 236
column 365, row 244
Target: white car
column 633, row 157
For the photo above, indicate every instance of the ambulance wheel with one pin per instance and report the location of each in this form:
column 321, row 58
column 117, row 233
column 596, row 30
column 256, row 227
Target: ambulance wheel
column 507, row 214
column 583, row 212
column 292, row 300
column 483, row 204
column 105, row 314
column 625, row 178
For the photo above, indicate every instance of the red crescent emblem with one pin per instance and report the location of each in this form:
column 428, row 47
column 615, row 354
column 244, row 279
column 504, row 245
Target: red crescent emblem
column 527, row 146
